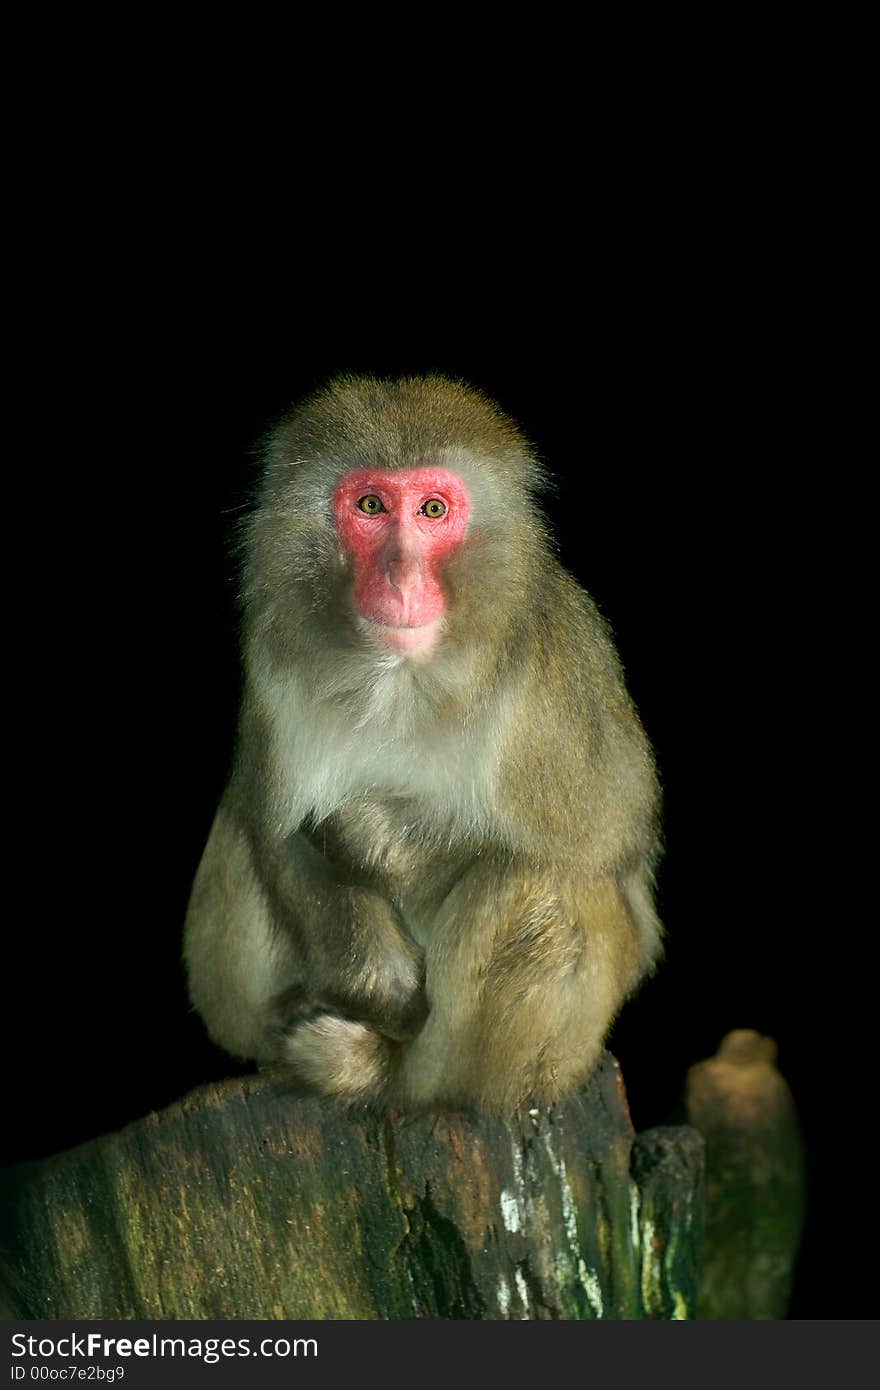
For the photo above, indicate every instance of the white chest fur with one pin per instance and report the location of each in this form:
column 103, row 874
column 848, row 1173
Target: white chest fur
column 386, row 743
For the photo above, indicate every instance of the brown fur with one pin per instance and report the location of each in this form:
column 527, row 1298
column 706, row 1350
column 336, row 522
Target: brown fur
column 430, row 878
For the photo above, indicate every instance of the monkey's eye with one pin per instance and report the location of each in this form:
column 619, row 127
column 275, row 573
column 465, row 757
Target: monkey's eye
column 433, row 508
column 371, row 505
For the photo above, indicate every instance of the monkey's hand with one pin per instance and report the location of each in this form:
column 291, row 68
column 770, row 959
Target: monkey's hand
column 387, row 986
column 366, row 970
column 344, row 1041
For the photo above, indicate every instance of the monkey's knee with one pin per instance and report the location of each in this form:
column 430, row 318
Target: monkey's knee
column 539, row 1045
column 557, row 1068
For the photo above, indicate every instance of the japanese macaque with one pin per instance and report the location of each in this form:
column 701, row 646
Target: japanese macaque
column 429, row 882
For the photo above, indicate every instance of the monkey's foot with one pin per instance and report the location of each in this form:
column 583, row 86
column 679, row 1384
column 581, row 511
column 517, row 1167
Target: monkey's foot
column 339, row 1057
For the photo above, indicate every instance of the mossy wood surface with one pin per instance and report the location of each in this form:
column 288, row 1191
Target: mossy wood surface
column 250, row 1200
column 755, row 1180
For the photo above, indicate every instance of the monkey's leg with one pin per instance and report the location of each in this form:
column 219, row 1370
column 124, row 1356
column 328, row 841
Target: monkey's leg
column 237, row 963
column 273, row 937
column 542, row 963
column 526, row 971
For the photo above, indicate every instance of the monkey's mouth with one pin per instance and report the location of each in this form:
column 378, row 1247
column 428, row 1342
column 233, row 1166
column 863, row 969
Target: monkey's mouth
column 403, row 638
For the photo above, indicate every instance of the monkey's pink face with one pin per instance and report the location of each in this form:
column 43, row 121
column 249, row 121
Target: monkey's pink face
column 398, row 528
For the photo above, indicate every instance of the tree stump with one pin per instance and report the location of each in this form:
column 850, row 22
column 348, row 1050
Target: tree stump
column 250, row 1200
column 744, row 1110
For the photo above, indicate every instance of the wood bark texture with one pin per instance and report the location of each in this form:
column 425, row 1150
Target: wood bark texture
column 251, row 1200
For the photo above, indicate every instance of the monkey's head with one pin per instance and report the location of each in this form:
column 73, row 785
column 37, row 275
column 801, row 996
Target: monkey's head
column 390, row 514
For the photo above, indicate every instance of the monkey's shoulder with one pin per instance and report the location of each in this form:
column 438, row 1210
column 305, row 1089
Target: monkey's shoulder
column 569, row 675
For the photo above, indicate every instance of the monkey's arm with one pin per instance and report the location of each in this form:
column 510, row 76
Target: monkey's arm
column 357, row 958
column 527, row 965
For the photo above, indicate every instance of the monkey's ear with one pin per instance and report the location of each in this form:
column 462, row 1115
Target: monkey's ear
column 536, row 477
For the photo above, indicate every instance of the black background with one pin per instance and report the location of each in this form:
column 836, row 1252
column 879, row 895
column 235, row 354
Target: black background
column 675, row 399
